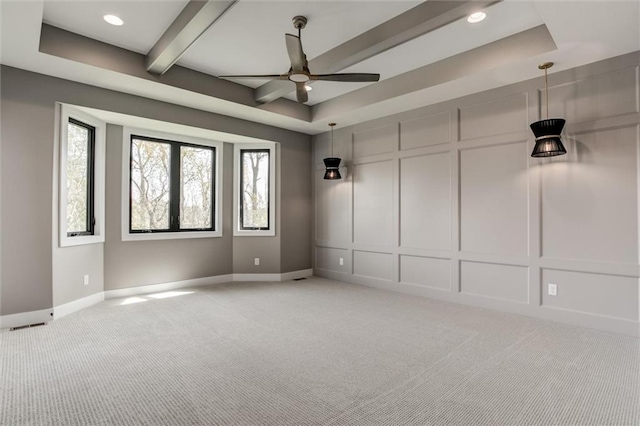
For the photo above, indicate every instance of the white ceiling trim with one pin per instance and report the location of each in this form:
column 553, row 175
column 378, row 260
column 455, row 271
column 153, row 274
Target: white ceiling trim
column 602, row 30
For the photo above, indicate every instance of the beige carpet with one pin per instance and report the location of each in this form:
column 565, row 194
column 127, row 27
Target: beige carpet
column 313, row 352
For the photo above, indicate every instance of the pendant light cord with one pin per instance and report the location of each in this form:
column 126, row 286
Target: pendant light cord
column 546, row 91
column 545, row 67
column 332, row 141
column 332, row 126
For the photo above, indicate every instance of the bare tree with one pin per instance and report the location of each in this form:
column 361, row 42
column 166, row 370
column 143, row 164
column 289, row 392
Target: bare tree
column 255, row 199
column 77, row 170
column 195, row 185
column 150, row 179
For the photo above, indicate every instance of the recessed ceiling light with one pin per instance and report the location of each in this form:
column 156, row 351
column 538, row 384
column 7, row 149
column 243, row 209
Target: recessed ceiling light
column 113, row 20
column 476, row 17
column 308, row 88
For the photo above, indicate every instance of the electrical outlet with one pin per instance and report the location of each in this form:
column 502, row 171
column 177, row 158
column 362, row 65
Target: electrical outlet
column 341, row 261
column 86, row 280
column 553, row 289
column 256, row 261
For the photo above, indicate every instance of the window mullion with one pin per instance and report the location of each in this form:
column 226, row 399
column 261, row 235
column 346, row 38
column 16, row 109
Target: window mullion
column 174, row 197
column 91, row 182
column 213, row 188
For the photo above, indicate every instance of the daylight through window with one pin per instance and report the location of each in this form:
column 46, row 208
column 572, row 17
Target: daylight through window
column 254, row 184
column 171, row 186
column 80, row 159
column 196, row 177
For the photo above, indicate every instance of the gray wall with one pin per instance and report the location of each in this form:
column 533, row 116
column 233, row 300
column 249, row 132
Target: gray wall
column 445, row 201
column 136, row 263
column 295, row 209
column 36, row 274
column 27, row 152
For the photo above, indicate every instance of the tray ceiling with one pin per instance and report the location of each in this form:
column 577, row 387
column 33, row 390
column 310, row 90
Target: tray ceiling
column 445, row 59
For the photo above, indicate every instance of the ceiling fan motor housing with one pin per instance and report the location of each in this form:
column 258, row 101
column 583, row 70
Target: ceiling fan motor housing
column 299, row 72
column 299, row 22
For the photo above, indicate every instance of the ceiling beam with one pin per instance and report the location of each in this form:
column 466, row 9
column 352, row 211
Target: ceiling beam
column 113, row 64
column 189, row 25
column 509, row 50
column 426, row 17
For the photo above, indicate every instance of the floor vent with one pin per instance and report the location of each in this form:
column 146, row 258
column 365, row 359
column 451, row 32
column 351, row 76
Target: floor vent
column 27, row 326
column 299, row 279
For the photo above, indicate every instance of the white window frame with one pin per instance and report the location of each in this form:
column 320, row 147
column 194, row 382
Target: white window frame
column 126, row 186
column 237, row 231
column 66, row 112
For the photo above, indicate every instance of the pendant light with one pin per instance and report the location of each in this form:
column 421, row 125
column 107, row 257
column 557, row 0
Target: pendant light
column 547, row 132
column 332, row 163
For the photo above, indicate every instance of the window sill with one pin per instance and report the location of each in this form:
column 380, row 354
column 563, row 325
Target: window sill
column 145, row 236
column 80, row 240
column 269, row 233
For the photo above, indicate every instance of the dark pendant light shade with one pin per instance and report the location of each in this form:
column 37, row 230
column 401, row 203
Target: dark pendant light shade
column 547, row 132
column 333, row 168
column 332, row 163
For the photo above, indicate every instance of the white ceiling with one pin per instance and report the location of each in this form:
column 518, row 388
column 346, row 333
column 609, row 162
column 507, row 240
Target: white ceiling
column 145, row 20
column 249, row 39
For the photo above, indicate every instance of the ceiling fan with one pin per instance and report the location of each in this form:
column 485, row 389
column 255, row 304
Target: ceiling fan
column 299, row 72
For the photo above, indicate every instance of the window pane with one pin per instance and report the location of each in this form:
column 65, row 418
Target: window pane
column 255, row 189
column 150, row 184
column 196, row 179
column 78, row 153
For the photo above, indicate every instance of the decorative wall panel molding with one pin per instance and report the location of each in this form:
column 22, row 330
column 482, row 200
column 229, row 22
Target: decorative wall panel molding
column 373, row 203
column 607, row 295
column 375, row 141
column 601, row 96
column 493, row 117
column 425, row 202
column 494, row 199
column 425, row 271
column 434, row 129
column 590, row 198
column 495, row 281
column 447, row 203
column 374, row 265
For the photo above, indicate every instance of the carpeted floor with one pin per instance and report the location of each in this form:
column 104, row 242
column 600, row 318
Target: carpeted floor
column 313, row 352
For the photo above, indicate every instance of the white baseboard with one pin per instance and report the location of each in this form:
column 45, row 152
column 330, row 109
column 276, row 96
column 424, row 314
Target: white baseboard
column 26, row 318
column 155, row 288
column 77, row 305
column 198, row 282
column 582, row 319
column 294, row 275
column 273, row 277
column 57, row 312
column 256, row 277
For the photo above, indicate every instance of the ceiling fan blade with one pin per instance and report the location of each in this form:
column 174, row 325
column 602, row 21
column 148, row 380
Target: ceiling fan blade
column 273, row 76
column 350, row 77
column 301, row 93
column 296, row 55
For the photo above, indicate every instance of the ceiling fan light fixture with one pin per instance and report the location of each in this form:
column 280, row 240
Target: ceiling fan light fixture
column 113, row 20
column 299, row 77
column 476, row 17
